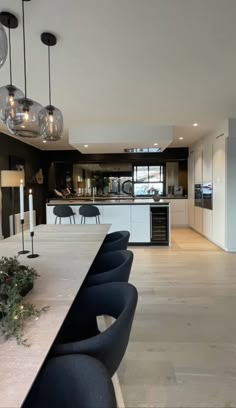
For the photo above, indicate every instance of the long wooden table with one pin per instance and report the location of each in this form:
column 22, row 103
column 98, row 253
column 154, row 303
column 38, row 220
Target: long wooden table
column 66, row 254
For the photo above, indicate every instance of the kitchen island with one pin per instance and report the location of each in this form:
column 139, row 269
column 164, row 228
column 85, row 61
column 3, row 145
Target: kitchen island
column 148, row 221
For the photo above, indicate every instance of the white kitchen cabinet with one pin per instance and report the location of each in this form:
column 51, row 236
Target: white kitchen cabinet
column 198, row 219
column 207, row 165
column 140, row 223
column 191, row 189
column 219, row 191
column 207, row 223
column 117, row 215
column 198, row 155
column 134, row 218
column 178, row 212
column 219, row 167
column 50, row 217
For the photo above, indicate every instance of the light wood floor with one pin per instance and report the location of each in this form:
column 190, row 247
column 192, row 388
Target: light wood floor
column 182, row 351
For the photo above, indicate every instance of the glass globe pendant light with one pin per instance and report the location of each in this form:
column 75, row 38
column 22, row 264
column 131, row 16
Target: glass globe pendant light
column 9, row 93
column 3, row 46
column 50, row 117
column 25, row 122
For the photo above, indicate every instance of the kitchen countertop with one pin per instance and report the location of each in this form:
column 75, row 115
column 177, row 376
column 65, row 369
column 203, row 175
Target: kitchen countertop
column 71, row 202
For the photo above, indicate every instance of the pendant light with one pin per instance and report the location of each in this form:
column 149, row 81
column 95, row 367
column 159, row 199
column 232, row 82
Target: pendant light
column 3, row 46
column 25, row 123
column 50, row 117
column 9, row 93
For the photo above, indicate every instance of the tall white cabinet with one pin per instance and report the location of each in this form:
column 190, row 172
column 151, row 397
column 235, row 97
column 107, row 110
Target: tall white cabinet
column 219, row 183
column 198, row 175
column 213, row 160
column 191, row 188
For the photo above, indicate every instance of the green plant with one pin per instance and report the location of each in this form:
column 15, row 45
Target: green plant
column 15, row 281
column 100, row 182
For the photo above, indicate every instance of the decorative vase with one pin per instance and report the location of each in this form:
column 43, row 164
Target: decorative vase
column 156, row 197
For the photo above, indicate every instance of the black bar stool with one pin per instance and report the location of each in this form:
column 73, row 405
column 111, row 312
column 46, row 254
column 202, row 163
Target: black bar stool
column 89, row 211
column 63, row 211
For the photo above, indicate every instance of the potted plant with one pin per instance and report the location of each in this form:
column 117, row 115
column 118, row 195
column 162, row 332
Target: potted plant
column 16, row 280
column 100, row 182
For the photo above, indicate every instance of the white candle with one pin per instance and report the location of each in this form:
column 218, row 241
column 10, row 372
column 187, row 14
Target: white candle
column 31, row 217
column 22, row 200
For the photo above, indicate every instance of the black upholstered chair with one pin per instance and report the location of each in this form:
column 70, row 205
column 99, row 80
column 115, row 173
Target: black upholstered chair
column 115, row 241
column 89, row 211
column 110, row 267
column 79, row 333
column 63, row 211
column 73, row 381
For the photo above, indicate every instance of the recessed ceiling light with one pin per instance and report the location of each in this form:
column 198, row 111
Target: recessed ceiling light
column 85, row 145
column 181, row 138
column 155, row 144
column 44, row 141
column 195, row 124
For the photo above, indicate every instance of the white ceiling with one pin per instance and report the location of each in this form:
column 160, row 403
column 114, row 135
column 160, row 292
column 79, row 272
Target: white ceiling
column 156, row 62
column 116, row 138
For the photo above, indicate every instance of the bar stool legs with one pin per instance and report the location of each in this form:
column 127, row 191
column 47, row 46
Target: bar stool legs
column 73, row 217
column 84, row 218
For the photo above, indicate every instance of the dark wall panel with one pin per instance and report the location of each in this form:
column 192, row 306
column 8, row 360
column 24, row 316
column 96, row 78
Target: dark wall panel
column 75, row 157
column 33, row 160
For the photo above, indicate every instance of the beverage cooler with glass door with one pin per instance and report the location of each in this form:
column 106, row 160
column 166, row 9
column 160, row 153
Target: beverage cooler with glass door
column 160, row 224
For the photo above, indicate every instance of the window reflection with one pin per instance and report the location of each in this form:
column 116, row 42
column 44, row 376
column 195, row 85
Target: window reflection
column 148, row 180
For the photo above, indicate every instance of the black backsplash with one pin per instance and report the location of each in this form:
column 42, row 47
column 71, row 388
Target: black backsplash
column 53, row 161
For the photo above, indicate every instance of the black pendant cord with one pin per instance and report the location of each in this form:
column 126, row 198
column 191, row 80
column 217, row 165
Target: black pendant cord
column 23, row 23
column 9, row 46
column 49, row 76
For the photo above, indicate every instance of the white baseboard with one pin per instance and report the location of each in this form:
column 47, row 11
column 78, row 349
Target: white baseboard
column 214, row 242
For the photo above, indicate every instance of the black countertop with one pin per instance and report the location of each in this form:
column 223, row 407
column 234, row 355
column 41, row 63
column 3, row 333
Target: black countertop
column 72, row 202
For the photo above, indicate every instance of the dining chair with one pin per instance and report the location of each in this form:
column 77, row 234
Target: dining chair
column 72, row 381
column 112, row 266
column 115, row 241
column 80, row 334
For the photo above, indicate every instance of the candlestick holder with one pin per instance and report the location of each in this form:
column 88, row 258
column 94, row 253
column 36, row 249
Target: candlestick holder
column 23, row 240
column 32, row 255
